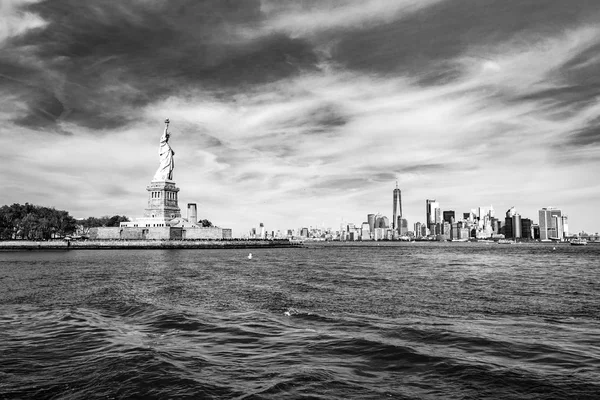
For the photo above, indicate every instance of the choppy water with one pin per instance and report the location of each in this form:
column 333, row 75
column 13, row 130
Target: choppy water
column 419, row 320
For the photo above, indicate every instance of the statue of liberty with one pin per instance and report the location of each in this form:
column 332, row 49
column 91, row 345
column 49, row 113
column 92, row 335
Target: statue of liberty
column 165, row 153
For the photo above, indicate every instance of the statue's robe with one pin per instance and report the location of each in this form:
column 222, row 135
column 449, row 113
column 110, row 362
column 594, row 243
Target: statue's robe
column 165, row 153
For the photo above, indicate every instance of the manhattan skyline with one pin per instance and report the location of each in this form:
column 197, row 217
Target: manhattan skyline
column 303, row 114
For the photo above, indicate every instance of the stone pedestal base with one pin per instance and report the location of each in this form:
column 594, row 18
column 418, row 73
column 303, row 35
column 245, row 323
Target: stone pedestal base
column 162, row 201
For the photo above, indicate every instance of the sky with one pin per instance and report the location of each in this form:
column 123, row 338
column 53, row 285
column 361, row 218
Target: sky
column 299, row 113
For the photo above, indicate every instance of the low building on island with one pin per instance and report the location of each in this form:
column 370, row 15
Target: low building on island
column 162, row 218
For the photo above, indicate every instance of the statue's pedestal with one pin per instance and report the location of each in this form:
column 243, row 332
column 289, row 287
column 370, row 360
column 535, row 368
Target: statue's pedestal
column 162, row 200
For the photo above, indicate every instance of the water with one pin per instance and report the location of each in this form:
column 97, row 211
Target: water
column 449, row 321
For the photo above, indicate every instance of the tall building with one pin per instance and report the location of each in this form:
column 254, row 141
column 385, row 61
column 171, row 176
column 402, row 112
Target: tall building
column 565, row 225
column 513, row 227
column 365, row 231
column 371, row 221
column 483, row 211
column 516, row 226
column 550, row 223
column 263, row 235
column 418, row 230
column 433, row 216
column 382, row 222
column 397, row 208
column 526, row 228
column 403, row 226
column 449, row 217
column 192, row 212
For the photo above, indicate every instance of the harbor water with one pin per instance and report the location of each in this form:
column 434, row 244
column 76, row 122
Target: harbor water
column 370, row 321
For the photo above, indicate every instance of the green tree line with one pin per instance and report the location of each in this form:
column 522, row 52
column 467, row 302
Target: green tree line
column 92, row 222
column 31, row 222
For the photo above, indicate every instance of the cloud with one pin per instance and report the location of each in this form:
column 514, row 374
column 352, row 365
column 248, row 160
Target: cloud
column 315, row 17
column 97, row 64
column 16, row 22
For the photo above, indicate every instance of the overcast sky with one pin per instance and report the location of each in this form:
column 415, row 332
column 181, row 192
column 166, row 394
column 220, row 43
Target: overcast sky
column 303, row 113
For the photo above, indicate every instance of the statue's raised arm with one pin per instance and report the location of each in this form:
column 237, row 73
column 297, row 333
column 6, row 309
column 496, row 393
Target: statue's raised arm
column 165, row 153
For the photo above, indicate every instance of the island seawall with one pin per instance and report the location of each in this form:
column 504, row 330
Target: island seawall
column 143, row 244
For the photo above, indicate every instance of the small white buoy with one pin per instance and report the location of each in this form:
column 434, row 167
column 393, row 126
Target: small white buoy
column 554, row 248
column 250, row 256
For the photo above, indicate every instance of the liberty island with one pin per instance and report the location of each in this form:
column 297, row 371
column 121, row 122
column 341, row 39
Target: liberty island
column 161, row 225
column 162, row 218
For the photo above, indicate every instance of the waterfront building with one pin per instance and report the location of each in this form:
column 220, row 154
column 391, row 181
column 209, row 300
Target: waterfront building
column 550, row 223
column 192, row 212
column 418, row 230
column 382, row 222
column 509, row 225
column 380, row 234
column 397, row 209
column 565, row 225
column 557, row 222
column 486, row 211
column 495, row 225
column 526, row 228
column 446, row 231
column 371, row 221
column 454, row 231
column 536, row 231
column 449, row 216
column 463, row 233
column 516, row 226
column 430, row 211
column 365, row 231
column 403, row 231
column 434, row 217
column 389, row 234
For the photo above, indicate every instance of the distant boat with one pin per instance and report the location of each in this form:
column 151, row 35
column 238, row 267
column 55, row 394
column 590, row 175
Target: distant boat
column 505, row 241
column 578, row 242
column 460, row 240
column 250, row 256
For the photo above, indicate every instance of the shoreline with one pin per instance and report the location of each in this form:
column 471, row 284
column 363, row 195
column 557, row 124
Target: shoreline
column 143, row 244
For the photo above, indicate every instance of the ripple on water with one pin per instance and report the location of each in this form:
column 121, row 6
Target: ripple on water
column 397, row 321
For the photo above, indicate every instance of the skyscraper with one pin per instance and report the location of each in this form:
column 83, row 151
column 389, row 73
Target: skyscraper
column 418, row 230
column 550, row 223
column 565, row 225
column 403, row 226
column 371, row 221
column 449, row 216
column 434, row 217
column 516, row 226
column 397, row 208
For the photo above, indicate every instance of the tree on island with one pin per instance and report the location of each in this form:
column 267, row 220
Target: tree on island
column 205, row 223
column 31, row 222
column 93, row 222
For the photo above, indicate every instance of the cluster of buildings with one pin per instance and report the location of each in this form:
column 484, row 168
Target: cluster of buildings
column 480, row 223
